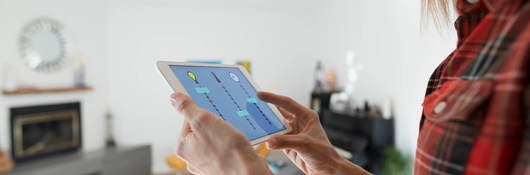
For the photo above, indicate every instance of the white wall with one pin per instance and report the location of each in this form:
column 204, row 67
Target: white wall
column 85, row 23
column 122, row 39
column 275, row 36
column 397, row 57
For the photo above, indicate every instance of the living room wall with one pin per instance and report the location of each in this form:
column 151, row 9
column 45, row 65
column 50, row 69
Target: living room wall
column 276, row 36
column 85, row 24
column 397, row 51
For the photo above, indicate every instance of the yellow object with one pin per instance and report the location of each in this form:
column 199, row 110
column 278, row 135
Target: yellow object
column 192, row 76
column 262, row 150
column 6, row 164
column 176, row 163
column 245, row 64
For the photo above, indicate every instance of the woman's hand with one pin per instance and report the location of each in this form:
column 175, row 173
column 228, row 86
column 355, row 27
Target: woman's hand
column 209, row 145
column 307, row 145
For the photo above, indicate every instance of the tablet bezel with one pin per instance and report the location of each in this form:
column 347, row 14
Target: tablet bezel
column 176, row 85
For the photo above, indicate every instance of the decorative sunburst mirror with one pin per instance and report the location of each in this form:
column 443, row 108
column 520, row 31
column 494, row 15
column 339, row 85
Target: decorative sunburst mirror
column 42, row 45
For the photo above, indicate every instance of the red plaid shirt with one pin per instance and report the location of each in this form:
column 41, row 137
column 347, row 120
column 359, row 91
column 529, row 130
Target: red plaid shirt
column 476, row 116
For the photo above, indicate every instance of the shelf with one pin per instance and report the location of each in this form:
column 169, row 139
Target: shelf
column 26, row 91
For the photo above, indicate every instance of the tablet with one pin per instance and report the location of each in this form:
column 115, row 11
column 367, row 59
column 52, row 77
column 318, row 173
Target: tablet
column 229, row 92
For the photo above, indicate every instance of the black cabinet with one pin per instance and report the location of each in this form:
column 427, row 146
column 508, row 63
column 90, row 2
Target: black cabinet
column 365, row 137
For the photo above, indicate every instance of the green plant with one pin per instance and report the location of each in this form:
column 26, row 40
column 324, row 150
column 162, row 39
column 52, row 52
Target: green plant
column 395, row 163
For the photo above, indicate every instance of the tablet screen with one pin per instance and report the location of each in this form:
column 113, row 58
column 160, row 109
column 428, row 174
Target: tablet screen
column 225, row 91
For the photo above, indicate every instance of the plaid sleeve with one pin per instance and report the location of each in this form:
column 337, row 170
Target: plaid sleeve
column 522, row 163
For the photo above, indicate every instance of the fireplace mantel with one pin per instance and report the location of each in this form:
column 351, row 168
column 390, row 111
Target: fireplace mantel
column 26, row 91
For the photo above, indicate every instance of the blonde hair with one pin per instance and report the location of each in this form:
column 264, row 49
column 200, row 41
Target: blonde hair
column 439, row 11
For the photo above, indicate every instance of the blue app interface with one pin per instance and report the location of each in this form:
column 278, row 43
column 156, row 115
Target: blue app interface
column 225, row 91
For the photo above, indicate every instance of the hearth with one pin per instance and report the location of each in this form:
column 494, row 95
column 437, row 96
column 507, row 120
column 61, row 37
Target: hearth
column 45, row 130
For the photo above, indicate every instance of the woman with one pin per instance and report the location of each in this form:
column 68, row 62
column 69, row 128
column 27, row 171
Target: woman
column 476, row 116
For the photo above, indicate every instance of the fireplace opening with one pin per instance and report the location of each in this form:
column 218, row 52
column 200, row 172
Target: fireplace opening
column 45, row 130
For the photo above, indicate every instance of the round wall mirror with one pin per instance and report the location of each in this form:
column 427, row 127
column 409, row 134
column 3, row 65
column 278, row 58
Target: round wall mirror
column 42, row 44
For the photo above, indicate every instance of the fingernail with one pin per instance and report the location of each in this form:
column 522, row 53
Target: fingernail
column 271, row 141
column 269, row 146
column 263, row 97
column 172, row 100
column 176, row 95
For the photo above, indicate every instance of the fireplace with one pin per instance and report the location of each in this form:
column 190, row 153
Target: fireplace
column 45, row 130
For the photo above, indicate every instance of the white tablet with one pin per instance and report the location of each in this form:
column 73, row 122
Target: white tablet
column 229, row 92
